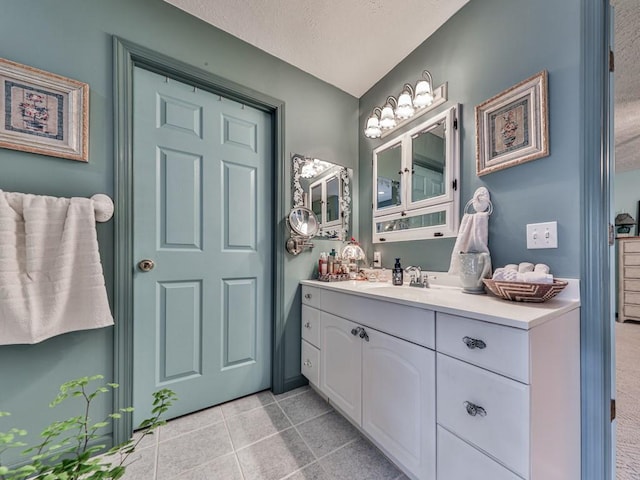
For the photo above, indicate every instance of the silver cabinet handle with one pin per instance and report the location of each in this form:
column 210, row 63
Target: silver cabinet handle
column 473, row 409
column 307, row 363
column 472, row 343
column 307, row 325
column 364, row 334
column 360, row 332
column 307, row 296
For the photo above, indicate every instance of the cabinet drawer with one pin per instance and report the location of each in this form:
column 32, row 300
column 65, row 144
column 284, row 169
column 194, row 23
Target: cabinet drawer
column 416, row 325
column 502, row 428
column 631, row 285
column 631, row 272
column 310, row 357
column 503, row 349
column 632, row 311
column 632, row 259
column 632, row 246
column 311, row 325
column 632, row 297
column 311, row 296
column 457, row 460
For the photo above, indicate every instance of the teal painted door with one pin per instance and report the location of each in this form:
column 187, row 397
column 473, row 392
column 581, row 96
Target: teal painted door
column 202, row 170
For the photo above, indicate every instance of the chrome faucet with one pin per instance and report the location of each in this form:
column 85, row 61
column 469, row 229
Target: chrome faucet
column 416, row 278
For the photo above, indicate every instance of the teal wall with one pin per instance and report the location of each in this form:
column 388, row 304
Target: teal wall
column 488, row 46
column 626, row 193
column 73, row 38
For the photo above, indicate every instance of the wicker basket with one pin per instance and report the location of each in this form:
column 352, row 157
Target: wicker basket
column 525, row 292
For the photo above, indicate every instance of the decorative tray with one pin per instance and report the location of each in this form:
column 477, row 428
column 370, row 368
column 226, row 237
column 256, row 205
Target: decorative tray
column 333, row 277
column 525, row 292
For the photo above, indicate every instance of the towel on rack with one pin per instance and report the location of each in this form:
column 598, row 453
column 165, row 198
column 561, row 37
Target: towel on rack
column 51, row 279
column 472, row 237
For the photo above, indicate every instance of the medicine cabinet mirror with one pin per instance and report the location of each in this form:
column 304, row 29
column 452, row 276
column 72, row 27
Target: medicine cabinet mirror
column 325, row 188
column 415, row 182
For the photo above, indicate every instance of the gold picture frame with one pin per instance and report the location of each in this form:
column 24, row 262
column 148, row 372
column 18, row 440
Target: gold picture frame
column 43, row 113
column 512, row 127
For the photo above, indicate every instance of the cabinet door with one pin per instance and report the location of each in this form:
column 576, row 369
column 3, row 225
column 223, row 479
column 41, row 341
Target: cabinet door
column 341, row 364
column 399, row 401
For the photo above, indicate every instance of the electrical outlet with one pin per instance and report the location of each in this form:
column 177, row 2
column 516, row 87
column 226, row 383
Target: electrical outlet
column 377, row 259
column 542, row 235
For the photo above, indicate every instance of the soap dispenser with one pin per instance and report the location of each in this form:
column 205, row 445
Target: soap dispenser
column 396, row 276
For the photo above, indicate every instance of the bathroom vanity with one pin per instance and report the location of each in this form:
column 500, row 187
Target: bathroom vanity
column 450, row 386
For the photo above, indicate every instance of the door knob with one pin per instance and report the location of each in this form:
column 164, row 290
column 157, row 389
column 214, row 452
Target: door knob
column 146, row 265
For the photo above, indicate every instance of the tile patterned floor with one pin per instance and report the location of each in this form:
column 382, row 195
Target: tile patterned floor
column 293, row 436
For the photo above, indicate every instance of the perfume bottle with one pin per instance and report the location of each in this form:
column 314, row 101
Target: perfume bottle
column 397, row 274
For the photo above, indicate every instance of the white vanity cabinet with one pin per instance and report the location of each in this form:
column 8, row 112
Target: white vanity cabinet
column 492, row 386
column 384, row 384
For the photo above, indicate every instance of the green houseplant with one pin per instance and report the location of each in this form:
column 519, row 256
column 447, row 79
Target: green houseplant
column 68, row 449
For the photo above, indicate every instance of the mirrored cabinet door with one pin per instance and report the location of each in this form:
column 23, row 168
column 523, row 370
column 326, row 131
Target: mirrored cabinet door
column 428, row 169
column 388, row 173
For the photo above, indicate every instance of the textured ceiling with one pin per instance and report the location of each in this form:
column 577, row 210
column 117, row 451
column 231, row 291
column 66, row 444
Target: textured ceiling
column 627, row 84
column 350, row 44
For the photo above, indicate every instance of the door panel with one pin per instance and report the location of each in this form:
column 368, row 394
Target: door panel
column 202, row 175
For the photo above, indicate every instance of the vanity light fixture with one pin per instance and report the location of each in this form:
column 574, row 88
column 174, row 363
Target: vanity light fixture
column 411, row 103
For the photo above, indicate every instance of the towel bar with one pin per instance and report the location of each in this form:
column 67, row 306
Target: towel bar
column 103, row 206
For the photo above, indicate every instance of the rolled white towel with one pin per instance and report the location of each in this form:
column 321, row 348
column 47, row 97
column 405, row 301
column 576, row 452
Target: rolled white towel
column 541, row 267
column 504, row 275
column 536, row 277
column 511, row 266
column 525, row 267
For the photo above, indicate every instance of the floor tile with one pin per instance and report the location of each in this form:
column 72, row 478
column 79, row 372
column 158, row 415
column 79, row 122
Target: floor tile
column 222, row 468
column 189, row 423
column 290, row 393
column 186, row 452
column 139, row 465
column 312, row 472
column 275, row 457
column 327, row 432
column 249, row 427
column 304, row 407
column 359, row 461
column 147, row 441
column 245, row 404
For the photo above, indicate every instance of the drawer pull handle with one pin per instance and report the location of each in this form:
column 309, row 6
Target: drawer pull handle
column 360, row 332
column 307, row 296
column 472, row 343
column 473, row 409
column 307, row 363
column 307, row 325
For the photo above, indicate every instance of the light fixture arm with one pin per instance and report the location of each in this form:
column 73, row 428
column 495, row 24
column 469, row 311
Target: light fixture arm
column 427, row 76
column 408, row 86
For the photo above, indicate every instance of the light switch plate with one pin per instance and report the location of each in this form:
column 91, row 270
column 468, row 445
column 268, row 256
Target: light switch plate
column 542, row 235
column 377, row 259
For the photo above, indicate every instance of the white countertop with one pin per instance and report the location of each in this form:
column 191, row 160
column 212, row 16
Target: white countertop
column 448, row 299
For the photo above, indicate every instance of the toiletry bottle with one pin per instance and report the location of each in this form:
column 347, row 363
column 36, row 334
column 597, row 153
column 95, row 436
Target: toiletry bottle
column 396, row 275
column 330, row 262
column 323, row 264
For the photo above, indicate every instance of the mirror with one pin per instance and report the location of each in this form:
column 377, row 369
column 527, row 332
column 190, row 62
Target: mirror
column 304, row 225
column 303, row 222
column 415, row 181
column 325, row 189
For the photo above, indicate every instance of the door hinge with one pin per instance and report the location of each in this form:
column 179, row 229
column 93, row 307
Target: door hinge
column 454, row 184
column 612, row 61
column 611, row 235
column 613, row 409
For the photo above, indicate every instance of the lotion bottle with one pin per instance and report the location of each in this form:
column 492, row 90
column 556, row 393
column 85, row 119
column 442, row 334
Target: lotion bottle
column 397, row 274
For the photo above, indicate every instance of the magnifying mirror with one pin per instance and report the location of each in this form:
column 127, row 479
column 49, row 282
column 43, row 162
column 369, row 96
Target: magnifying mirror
column 304, row 225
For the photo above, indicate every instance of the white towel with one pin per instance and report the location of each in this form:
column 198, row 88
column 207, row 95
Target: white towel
column 472, row 237
column 508, row 275
column 51, row 279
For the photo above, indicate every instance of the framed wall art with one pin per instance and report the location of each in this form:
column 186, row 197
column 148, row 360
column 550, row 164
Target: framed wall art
column 512, row 127
column 44, row 113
